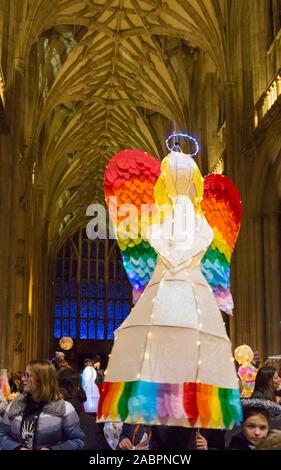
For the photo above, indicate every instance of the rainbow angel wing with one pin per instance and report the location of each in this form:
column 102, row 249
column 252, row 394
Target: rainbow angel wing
column 130, row 176
column 222, row 207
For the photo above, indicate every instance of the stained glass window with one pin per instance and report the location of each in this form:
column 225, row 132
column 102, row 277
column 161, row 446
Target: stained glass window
column 83, row 309
column 87, row 305
column 83, row 329
column 111, row 305
column 57, row 328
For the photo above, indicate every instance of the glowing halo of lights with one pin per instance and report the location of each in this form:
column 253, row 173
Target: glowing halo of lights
column 184, row 135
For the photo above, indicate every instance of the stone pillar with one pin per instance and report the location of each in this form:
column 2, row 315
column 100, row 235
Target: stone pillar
column 272, row 284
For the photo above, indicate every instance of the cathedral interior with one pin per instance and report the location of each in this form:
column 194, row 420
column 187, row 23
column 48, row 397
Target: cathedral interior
column 81, row 80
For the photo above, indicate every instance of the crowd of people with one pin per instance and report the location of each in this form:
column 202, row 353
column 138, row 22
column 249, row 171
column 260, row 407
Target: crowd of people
column 55, row 408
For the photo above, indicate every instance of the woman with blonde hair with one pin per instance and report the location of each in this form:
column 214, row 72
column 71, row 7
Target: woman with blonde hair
column 40, row 419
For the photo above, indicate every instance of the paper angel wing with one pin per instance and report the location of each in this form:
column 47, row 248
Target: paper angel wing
column 130, row 176
column 222, row 207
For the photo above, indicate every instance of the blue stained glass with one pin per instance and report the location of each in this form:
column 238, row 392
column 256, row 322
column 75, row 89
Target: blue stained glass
column 73, row 328
column 74, row 267
column 111, row 309
column 100, row 334
column 57, row 330
column 111, row 288
column 58, row 308
column 85, row 268
column 74, row 287
column 93, row 289
column 92, row 328
column 58, row 286
column 92, row 309
column 93, row 268
column 118, row 312
column 119, row 289
column 65, row 327
column 83, row 329
column 101, row 268
column 83, row 310
column 110, row 330
column 126, row 291
column 66, row 288
column 101, row 288
column 66, row 267
column 101, row 309
column 65, row 308
column 118, row 322
column 84, row 286
column 126, row 309
column 73, row 308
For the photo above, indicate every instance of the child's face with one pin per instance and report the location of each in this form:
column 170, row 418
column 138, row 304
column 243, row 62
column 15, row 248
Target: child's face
column 255, row 428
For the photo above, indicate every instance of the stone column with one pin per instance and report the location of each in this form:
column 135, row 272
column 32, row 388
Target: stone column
column 272, row 283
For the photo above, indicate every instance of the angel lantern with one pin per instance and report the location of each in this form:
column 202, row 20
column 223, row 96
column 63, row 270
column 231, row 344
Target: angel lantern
column 171, row 361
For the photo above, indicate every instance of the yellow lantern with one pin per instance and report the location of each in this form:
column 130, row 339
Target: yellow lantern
column 243, row 354
column 66, row 343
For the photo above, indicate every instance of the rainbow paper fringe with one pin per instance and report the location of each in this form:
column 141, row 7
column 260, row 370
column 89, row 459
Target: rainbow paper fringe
column 188, row 404
column 222, row 207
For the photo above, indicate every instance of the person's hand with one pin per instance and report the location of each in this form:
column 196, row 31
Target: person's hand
column 201, row 442
column 126, row 444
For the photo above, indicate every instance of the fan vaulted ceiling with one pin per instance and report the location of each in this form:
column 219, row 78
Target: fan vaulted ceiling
column 107, row 75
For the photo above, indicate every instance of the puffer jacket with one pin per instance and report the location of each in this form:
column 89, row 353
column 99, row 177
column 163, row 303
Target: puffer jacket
column 58, row 426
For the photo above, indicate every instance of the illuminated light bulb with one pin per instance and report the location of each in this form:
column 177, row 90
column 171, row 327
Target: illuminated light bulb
column 198, row 342
column 152, row 315
column 109, row 355
column 199, row 362
column 138, row 376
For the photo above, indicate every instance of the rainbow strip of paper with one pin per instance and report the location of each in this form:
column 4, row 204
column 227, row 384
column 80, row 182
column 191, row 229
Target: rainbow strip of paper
column 188, row 404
